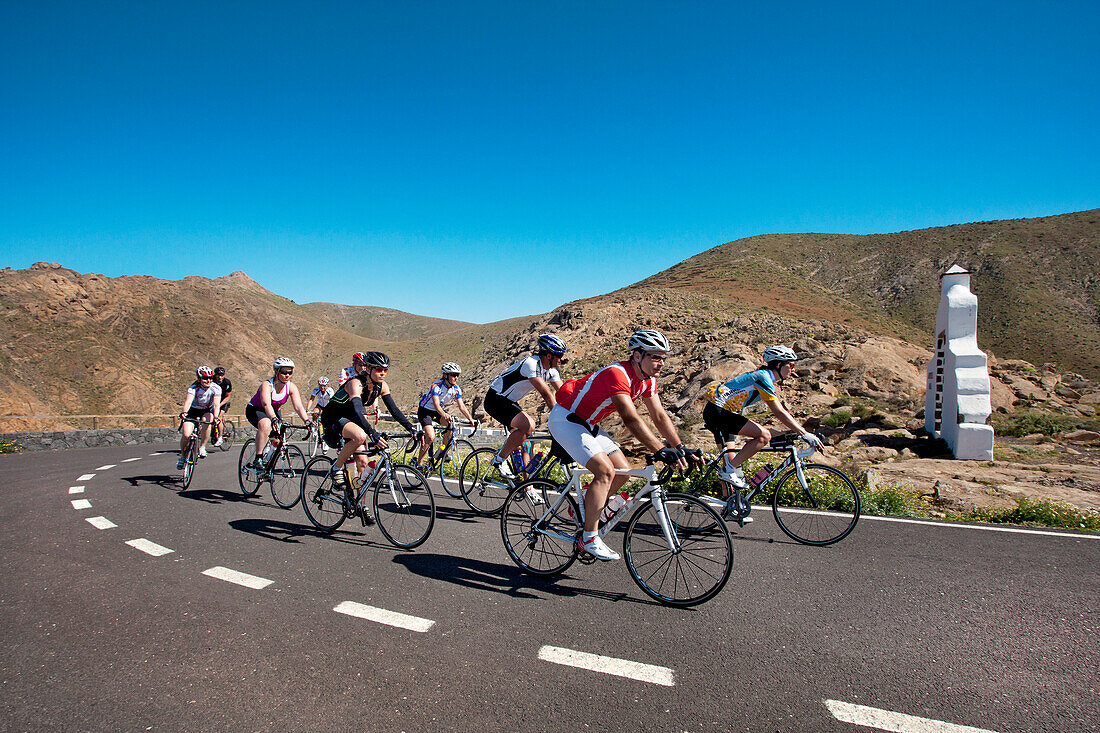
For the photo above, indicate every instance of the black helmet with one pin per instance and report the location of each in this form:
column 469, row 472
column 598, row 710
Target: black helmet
column 219, row 371
column 376, row 360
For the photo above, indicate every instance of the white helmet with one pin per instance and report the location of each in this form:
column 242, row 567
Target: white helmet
column 779, row 352
column 649, row 340
column 451, row 368
column 283, row 362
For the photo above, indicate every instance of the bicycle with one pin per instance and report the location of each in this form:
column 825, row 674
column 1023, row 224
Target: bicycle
column 676, row 547
column 403, row 504
column 224, row 429
column 315, row 441
column 447, row 459
column 812, row 503
column 485, row 489
column 281, row 462
column 191, row 450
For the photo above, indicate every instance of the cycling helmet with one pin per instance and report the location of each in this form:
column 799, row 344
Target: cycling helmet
column 648, row 340
column 779, row 352
column 358, row 357
column 322, row 382
column 451, row 368
column 282, row 362
column 219, row 371
column 204, row 372
column 549, row 343
column 376, row 360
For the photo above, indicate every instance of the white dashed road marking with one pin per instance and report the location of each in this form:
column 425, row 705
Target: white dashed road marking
column 847, row 712
column 81, row 504
column 609, row 665
column 86, row 477
column 131, row 460
column 109, row 465
column 233, row 576
column 382, row 616
column 101, row 522
column 149, row 548
column 76, row 489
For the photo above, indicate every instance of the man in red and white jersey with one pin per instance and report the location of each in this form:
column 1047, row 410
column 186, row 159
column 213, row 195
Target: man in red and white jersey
column 357, row 360
column 583, row 403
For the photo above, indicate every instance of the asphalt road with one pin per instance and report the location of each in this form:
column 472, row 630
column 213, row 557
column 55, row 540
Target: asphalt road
column 993, row 630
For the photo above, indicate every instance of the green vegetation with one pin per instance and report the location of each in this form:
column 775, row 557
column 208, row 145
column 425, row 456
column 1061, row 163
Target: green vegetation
column 9, row 446
column 1031, row 422
column 1043, row 513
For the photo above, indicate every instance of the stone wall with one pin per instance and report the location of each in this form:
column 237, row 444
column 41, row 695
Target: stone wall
column 63, row 439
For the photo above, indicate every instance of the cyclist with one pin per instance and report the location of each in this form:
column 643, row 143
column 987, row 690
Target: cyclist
column 226, row 386
column 584, row 402
column 725, row 403
column 345, row 415
column 348, row 372
column 318, row 398
column 537, row 372
column 439, row 395
column 262, row 411
column 201, row 403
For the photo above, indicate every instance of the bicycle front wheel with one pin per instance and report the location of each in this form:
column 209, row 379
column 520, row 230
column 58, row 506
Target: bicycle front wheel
column 484, row 489
column 540, row 541
column 322, row 500
column 313, row 442
column 192, row 453
column 819, row 510
column 701, row 562
column 248, row 478
column 404, row 506
column 451, row 465
column 228, row 433
column 286, row 486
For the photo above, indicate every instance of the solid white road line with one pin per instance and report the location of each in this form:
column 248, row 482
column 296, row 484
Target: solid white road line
column 81, row 504
column 847, row 712
column 76, row 489
column 149, row 548
column 109, row 465
column 131, row 460
column 232, row 576
column 382, row 616
column 609, row 665
column 101, row 522
column 984, row 528
column 86, row 477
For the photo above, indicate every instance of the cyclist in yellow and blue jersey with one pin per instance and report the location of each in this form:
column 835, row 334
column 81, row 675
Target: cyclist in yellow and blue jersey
column 726, row 401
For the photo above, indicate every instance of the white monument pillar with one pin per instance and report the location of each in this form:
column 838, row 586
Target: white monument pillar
column 956, row 403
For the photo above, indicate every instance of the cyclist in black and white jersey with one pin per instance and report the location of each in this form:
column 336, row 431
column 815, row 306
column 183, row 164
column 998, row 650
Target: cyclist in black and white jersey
column 538, row 372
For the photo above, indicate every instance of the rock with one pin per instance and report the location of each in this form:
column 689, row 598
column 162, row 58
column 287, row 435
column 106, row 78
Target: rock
column 1089, row 437
column 1090, row 398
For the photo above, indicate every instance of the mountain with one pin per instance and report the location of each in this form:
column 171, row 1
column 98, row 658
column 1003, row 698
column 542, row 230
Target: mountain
column 382, row 324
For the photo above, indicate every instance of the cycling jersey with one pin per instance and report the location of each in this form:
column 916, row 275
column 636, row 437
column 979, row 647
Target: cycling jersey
column 277, row 400
column 740, row 392
column 444, row 393
column 515, row 381
column 322, row 397
column 346, row 374
column 589, row 398
column 225, row 385
column 204, row 398
column 340, row 404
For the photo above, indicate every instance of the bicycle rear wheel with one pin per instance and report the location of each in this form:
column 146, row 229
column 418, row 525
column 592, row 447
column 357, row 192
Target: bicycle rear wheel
column 483, row 488
column 541, row 542
column 286, row 486
column 192, row 453
column 248, row 478
column 322, row 500
column 819, row 511
column 404, row 506
column 313, row 441
column 697, row 570
column 451, row 465
column 228, row 433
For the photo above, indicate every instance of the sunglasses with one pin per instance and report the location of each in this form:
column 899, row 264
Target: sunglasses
column 205, row 379
column 286, row 372
column 381, row 369
column 657, row 357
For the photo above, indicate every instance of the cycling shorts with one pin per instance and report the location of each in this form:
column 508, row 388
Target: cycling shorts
column 725, row 425
column 254, row 414
column 333, row 432
column 196, row 413
column 577, row 440
column 425, row 416
column 501, row 409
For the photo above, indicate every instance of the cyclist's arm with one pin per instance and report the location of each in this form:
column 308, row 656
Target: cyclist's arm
column 311, row 402
column 785, row 417
column 544, row 391
column 662, row 420
column 296, row 400
column 463, row 410
column 394, row 410
column 187, row 403
column 354, row 389
column 437, row 407
column 265, row 399
column 634, row 422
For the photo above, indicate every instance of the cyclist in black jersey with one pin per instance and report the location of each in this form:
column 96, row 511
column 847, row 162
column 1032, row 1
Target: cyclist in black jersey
column 345, row 414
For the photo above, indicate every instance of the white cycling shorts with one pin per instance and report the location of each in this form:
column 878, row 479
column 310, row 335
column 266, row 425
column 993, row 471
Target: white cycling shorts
column 578, row 442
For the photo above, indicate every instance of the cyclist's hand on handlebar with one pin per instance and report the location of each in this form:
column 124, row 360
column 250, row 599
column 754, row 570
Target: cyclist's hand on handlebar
column 668, row 455
column 815, row 442
column 380, row 443
column 694, row 458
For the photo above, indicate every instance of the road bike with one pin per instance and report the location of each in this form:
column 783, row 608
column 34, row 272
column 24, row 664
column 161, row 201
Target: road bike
column 315, row 441
column 445, row 462
column 191, row 450
column 485, row 488
column 226, row 431
column 403, row 503
column 676, row 547
column 281, row 465
column 812, row 503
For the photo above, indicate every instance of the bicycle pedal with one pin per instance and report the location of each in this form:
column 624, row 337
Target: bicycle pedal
column 586, row 558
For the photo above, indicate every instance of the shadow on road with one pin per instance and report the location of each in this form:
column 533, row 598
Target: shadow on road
column 171, row 481
column 214, row 496
column 498, row 577
column 274, row 529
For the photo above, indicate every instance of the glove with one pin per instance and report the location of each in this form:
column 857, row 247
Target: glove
column 694, row 456
column 668, row 455
column 814, row 441
column 276, row 425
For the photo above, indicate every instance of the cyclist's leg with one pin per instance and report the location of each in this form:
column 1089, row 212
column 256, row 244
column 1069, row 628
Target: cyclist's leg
column 207, row 424
column 185, row 435
column 758, row 437
column 354, row 438
column 425, row 418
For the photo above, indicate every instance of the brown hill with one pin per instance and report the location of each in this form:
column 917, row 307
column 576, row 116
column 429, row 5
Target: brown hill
column 382, row 324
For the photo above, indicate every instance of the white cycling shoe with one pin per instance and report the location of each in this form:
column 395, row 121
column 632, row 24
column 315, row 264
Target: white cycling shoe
column 505, row 470
column 736, row 477
column 218, row 442
column 596, row 547
column 202, row 452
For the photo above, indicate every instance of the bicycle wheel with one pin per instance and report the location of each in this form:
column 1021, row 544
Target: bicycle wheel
column 192, row 453
column 483, row 488
column 696, row 571
column 541, row 542
column 451, row 465
column 321, row 499
column 313, row 441
column 820, row 511
column 404, row 506
column 286, row 486
column 248, row 478
column 228, row 434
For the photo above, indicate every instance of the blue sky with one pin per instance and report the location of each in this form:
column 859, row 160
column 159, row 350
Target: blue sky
column 493, row 159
